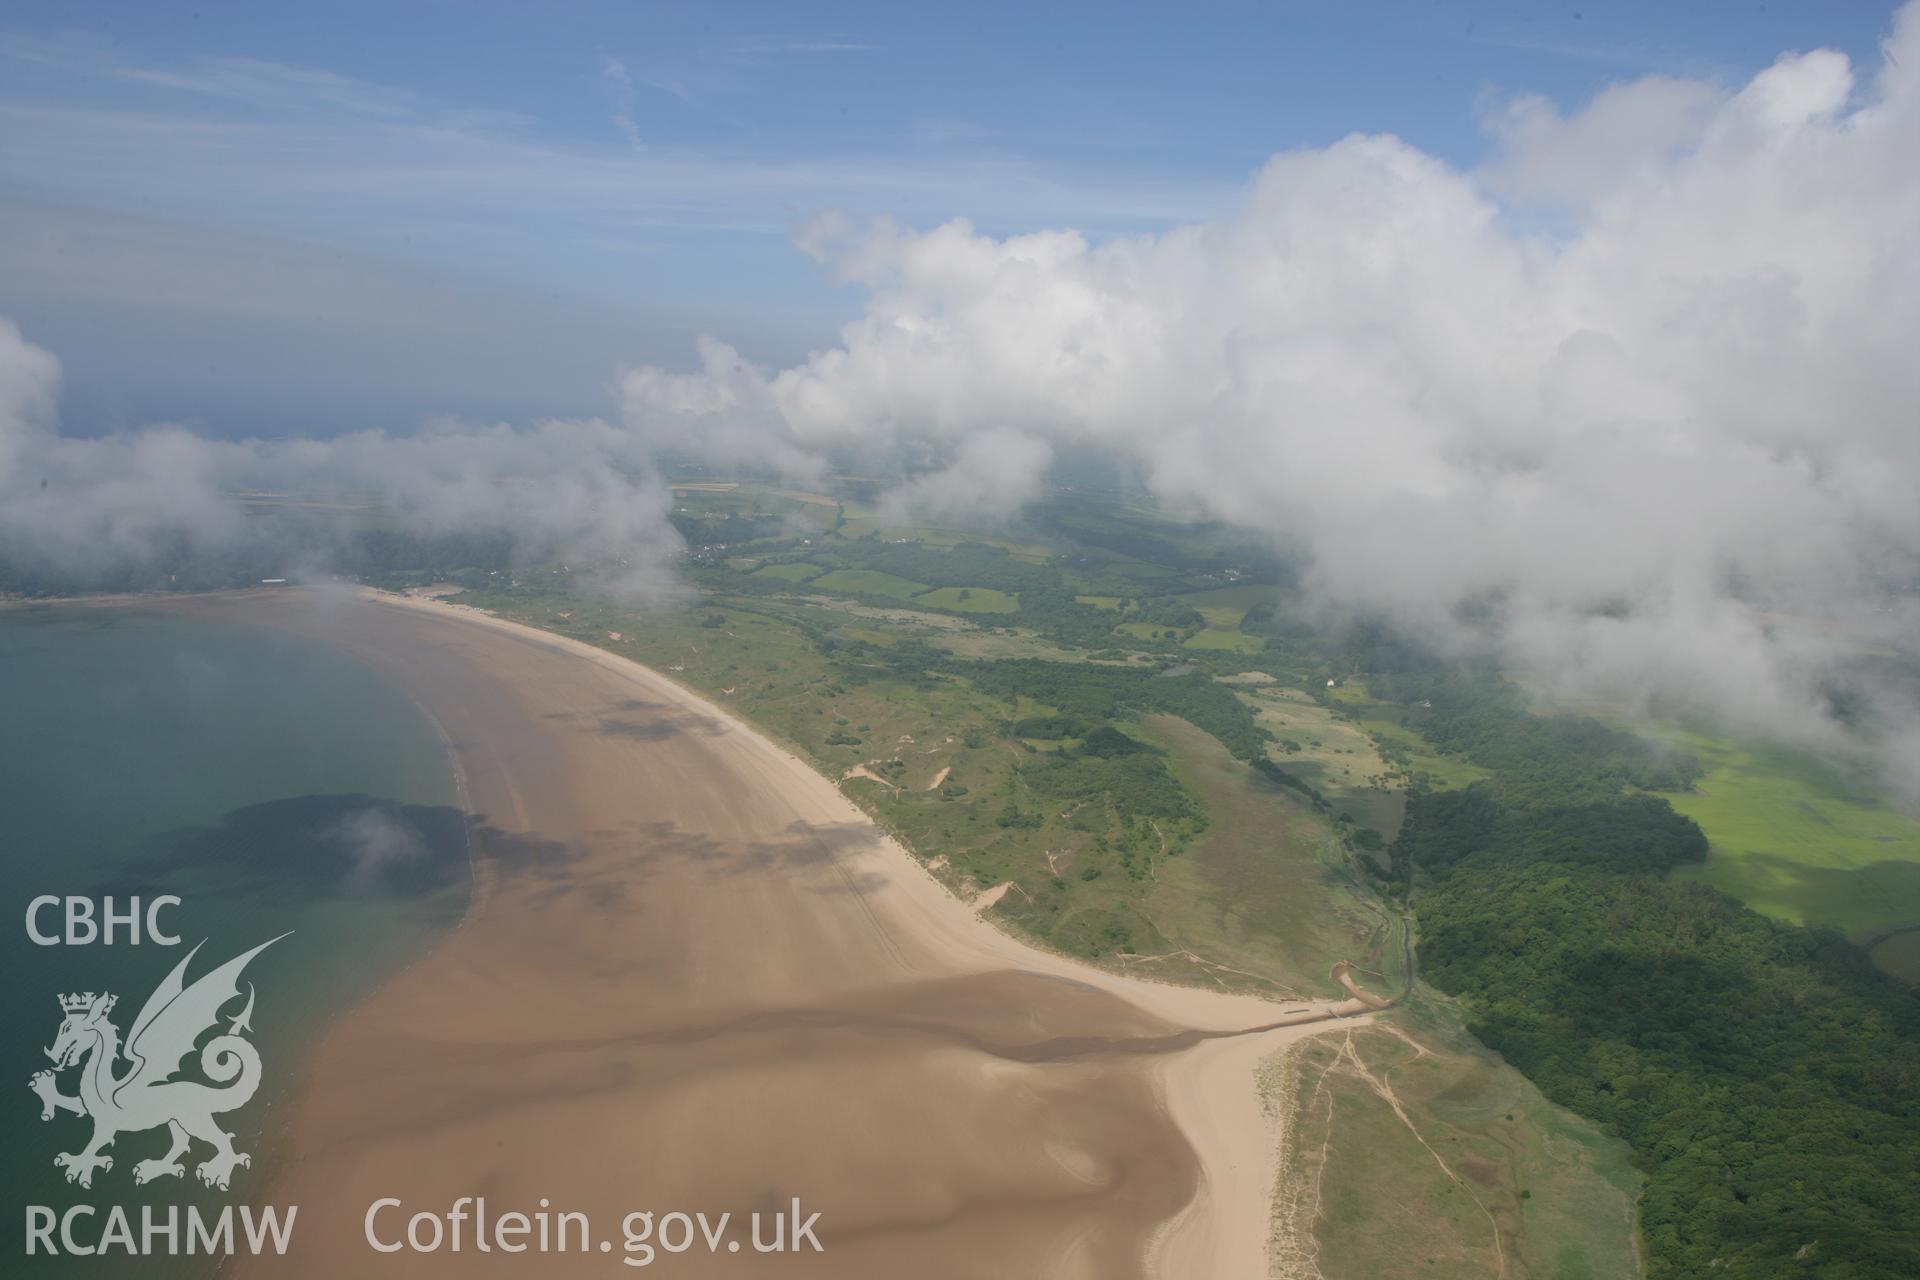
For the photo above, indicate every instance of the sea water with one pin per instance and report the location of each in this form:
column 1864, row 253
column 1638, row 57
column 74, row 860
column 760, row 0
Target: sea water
column 270, row 784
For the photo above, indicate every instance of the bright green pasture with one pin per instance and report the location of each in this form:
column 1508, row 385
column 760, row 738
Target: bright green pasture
column 798, row 571
column 869, row 582
column 1799, row 839
column 1226, row 641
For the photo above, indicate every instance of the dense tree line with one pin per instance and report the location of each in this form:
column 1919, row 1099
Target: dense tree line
column 1765, row 1075
column 731, row 529
column 1485, row 719
column 1622, row 833
column 1136, row 782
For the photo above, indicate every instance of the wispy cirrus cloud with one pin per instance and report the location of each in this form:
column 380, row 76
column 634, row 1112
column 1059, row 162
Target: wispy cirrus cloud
column 258, row 81
column 300, row 148
column 614, row 72
column 271, row 207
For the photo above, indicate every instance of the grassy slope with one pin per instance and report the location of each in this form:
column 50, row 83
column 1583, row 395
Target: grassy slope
column 1422, row 1154
column 1265, row 889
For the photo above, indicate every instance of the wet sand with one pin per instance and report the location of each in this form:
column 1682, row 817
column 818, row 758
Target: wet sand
column 695, row 977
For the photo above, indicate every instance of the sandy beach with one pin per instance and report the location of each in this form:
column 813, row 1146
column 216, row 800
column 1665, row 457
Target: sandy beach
column 696, row 977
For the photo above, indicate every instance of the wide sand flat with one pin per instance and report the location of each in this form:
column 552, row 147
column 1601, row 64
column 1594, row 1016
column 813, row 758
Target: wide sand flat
column 697, row 978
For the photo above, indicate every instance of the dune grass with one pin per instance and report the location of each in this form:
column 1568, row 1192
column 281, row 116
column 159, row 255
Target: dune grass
column 1265, row 889
column 1473, row 1168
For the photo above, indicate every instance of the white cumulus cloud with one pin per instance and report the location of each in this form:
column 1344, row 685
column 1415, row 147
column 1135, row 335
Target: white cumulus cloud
column 1662, row 437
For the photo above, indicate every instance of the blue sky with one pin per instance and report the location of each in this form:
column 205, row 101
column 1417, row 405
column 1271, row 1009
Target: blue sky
column 268, row 219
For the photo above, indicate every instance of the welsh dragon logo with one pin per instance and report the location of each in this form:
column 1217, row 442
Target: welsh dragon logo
column 146, row 1095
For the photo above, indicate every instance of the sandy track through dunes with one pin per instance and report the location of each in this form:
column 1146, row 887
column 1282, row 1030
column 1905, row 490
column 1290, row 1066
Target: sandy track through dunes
column 697, row 978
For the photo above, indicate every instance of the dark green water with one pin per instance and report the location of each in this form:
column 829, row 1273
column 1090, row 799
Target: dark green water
column 272, row 785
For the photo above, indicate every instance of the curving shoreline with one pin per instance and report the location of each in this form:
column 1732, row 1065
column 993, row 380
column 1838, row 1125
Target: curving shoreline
column 696, row 975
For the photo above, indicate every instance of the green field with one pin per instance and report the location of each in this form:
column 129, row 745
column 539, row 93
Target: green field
column 1401, row 746
column 999, row 644
column 969, row 600
column 1224, row 607
column 1332, row 754
column 1225, row 641
column 868, row 582
column 1797, row 839
column 795, row 571
column 723, row 498
column 929, row 536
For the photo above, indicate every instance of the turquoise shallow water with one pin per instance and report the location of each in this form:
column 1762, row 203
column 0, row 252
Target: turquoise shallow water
column 271, row 784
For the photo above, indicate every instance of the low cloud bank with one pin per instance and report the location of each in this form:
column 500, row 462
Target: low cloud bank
column 1640, row 392
column 86, row 509
column 1664, row 442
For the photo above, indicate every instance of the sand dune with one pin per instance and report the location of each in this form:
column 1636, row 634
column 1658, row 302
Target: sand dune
column 696, row 978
